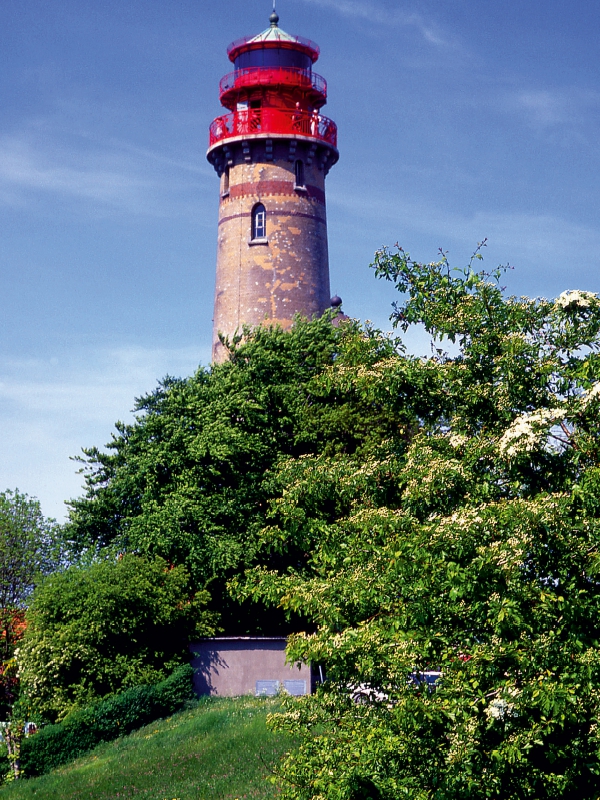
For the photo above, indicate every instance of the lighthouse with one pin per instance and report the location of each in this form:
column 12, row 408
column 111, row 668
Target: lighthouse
column 272, row 152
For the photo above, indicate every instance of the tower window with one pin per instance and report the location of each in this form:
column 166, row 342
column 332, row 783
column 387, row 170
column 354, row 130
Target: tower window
column 259, row 222
column 300, row 174
column 225, row 190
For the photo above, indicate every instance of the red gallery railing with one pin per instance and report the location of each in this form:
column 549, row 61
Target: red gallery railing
column 273, row 120
column 272, row 76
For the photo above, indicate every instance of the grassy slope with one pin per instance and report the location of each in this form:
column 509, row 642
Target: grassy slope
column 219, row 750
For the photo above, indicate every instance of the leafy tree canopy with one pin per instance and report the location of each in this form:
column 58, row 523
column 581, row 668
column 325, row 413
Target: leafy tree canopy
column 463, row 550
column 93, row 631
column 29, row 548
column 191, row 478
column 421, row 515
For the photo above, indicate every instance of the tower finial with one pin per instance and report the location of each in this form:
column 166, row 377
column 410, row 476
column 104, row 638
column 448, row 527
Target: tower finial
column 274, row 18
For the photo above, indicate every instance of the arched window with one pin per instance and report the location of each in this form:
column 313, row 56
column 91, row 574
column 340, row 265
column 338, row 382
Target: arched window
column 259, row 222
column 299, row 173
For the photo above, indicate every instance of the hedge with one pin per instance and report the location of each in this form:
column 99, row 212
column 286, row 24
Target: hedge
column 116, row 716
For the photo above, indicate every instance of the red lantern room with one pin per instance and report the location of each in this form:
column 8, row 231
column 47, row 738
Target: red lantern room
column 272, row 151
column 273, row 89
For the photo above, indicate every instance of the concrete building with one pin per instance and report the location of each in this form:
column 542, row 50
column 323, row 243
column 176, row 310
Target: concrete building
column 227, row 667
column 272, row 152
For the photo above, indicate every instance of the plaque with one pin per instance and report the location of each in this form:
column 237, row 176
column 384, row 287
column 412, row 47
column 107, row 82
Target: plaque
column 295, row 688
column 267, row 688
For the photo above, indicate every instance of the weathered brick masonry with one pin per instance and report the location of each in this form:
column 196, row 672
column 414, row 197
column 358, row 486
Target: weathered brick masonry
column 285, row 274
column 275, row 150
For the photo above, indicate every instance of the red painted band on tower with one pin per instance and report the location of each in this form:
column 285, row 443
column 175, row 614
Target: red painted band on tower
column 275, row 188
column 275, row 214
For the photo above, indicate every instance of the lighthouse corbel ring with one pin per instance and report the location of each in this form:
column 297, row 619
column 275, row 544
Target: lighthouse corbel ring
column 272, row 151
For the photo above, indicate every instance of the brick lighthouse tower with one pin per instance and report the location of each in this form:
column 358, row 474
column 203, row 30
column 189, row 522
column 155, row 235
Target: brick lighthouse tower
column 272, row 152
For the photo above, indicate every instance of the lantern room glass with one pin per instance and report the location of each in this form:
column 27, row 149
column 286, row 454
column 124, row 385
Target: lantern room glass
column 273, row 57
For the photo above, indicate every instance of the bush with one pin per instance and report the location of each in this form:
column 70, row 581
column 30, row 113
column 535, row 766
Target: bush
column 4, row 762
column 467, row 544
column 95, row 631
column 116, row 716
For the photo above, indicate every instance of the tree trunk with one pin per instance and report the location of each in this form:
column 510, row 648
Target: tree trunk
column 14, row 736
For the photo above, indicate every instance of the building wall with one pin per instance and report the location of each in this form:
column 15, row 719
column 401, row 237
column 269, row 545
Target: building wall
column 288, row 274
column 231, row 667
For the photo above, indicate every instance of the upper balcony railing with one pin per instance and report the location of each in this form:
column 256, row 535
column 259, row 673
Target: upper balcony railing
column 273, row 76
column 273, row 120
column 290, row 42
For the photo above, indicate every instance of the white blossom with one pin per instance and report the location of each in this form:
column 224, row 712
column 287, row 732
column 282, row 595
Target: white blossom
column 457, row 439
column 591, row 395
column 524, row 433
column 500, row 709
column 575, row 297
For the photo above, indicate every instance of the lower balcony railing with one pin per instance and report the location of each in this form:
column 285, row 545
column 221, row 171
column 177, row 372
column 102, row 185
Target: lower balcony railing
column 273, row 120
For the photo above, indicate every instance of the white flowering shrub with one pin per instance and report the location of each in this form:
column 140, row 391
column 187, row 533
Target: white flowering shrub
column 465, row 543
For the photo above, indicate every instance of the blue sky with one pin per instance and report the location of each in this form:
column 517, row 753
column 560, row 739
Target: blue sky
column 457, row 121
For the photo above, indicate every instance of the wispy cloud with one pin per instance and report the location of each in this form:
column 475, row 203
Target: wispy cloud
column 50, row 409
column 22, row 166
column 373, row 12
column 111, row 174
column 90, row 383
column 198, row 167
column 537, row 243
column 534, row 240
column 550, row 107
column 543, row 107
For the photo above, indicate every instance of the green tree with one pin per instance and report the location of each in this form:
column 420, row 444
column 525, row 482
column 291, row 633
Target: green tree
column 466, row 544
column 93, row 631
column 28, row 549
column 190, row 479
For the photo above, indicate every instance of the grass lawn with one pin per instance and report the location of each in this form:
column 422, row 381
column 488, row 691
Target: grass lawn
column 219, row 750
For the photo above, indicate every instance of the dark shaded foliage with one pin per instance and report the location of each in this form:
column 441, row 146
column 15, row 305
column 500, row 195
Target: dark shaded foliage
column 192, row 478
column 81, row 731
